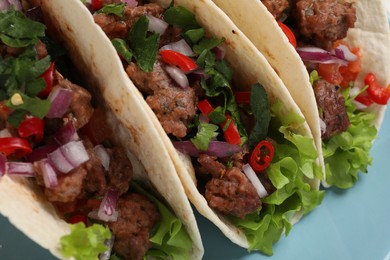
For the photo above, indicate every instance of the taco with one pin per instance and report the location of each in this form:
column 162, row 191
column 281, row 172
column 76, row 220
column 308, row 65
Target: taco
column 341, row 65
column 183, row 60
column 67, row 177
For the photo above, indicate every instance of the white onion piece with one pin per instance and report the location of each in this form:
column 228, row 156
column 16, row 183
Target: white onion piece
column 49, row 174
column 322, row 126
column 250, row 173
column 5, row 133
column 103, row 156
column 3, row 160
column 58, row 160
column 131, row 3
column 178, row 76
column 156, row 25
column 354, row 91
column 107, row 211
column 343, row 52
column 179, row 46
column 60, row 99
column 24, row 169
column 359, row 106
column 75, row 153
column 109, row 243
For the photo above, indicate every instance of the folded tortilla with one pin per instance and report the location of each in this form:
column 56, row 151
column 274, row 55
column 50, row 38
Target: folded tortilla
column 23, row 202
column 250, row 67
column 371, row 34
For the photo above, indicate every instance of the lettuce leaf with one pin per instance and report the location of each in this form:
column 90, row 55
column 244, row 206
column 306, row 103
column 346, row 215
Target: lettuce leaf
column 293, row 164
column 348, row 153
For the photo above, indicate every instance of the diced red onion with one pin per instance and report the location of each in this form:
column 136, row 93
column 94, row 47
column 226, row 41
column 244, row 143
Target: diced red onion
column 219, row 52
column 178, row 76
column 68, row 156
column 131, row 3
column 5, row 133
column 60, row 99
column 3, row 160
column 107, row 211
column 322, row 126
column 343, row 52
column 318, row 55
column 66, row 134
column 104, row 157
column 49, row 174
column 250, row 173
column 4, row 5
column 156, row 25
column 216, row 148
column 179, row 46
column 109, row 243
column 24, row 169
column 41, row 152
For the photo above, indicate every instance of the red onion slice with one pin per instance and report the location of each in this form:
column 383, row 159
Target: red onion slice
column 250, row 173
column 75, row 153
column 41, row 152
column 104, row 157
column 131, row 3
column 3, row 160
column 49, row 174
column 219, row 52
column 179, row 46
column 216, row 148
column 156, row 25
column 60, row 99
column 178, row 76
column 24, row 169
column 318, row 55
column 66, row 134
column 107, row 211
column 343, row 52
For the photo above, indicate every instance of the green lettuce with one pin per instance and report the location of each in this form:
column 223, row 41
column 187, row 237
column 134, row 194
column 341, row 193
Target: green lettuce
column 348, row 153
column 293, row 164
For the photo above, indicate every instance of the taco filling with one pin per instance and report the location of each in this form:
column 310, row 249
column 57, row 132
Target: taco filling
column 53, row 133
column 250, row 166
column 319, row 28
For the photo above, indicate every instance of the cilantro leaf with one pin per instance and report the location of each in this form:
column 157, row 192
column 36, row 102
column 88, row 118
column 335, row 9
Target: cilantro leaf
column 37, row 107
column 116, row 9
column 121, row 48
column 205, row 134
column 194, row 35
column 207, row 44
column 181, row 17
column 217, row 116
column 16, row 30
column 144, row 47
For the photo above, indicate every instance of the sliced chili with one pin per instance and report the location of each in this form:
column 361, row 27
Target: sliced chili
column 262, row 156
column 185, row 63
column 290, row 35
column 242, row 97
column 205, row 107
column 32, row 126
column 15, row 145
column 48, row 76
column 96, row 4
column 231, row 134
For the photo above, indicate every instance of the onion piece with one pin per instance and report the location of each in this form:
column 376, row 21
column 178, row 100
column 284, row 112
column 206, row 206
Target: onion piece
column 49, row 174
column 179, row 46
column 322, row 126
column 58, row 160
column 343, row 52
column 216, row 148
column 103, row 156
column 66, row 134
column 219, row 52
column 3, row 160
column 5, row 133
column 41, row 152
column 60, row 99
column 177, row 75
column 156, row 25
column 107, row 211
column 131, row 3
column 75, row 153
column 250, row 173
column 359, row 106
column 318, row 55
column 16, row 3
column 109, row 243
column 4, row 5
column 24, row 169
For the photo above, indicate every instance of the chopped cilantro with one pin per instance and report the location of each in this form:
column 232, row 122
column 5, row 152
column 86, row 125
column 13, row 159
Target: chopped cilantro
column 121, row 48
column 207, row 44
column 37, row 107
column 116, row 9
column 205, row 134
column 194, row 35
column 217, row 116
column 181, row 17
column 144, row 46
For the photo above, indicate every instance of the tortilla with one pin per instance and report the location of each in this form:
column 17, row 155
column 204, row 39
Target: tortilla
column 371, row 34
column 22, row 202
column 249, row 66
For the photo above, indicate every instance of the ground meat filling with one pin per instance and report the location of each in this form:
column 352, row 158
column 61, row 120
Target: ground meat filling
column 277, row 8
column 174, row 106
column 229, row 191
column 137, row 217
column 331, row 104
column 322, row 22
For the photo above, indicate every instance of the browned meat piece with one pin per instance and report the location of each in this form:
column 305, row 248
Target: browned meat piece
column 238, row 159
column 133, row 14
column 322, row 22
column 331, row 104
column 137, row 217
column 232, row 194
column 277, row 8
column 210, row 165
column 69, row 186
column 80, row 107
column 172, row 34
column 96, row 177
column 120, row 171
column 174, row 106
column 41, row 50
column 111, row 25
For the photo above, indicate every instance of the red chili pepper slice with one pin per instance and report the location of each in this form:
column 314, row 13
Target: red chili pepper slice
column 32, row 126
column 14, row 145
column 185, row 63
column 262, row 156
column 78, row 218
column 205, row 107
column 48, row 76
column 377, row 93
column 290, row 35
column 96, row 4
column 243, row 97
column 231, row 134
